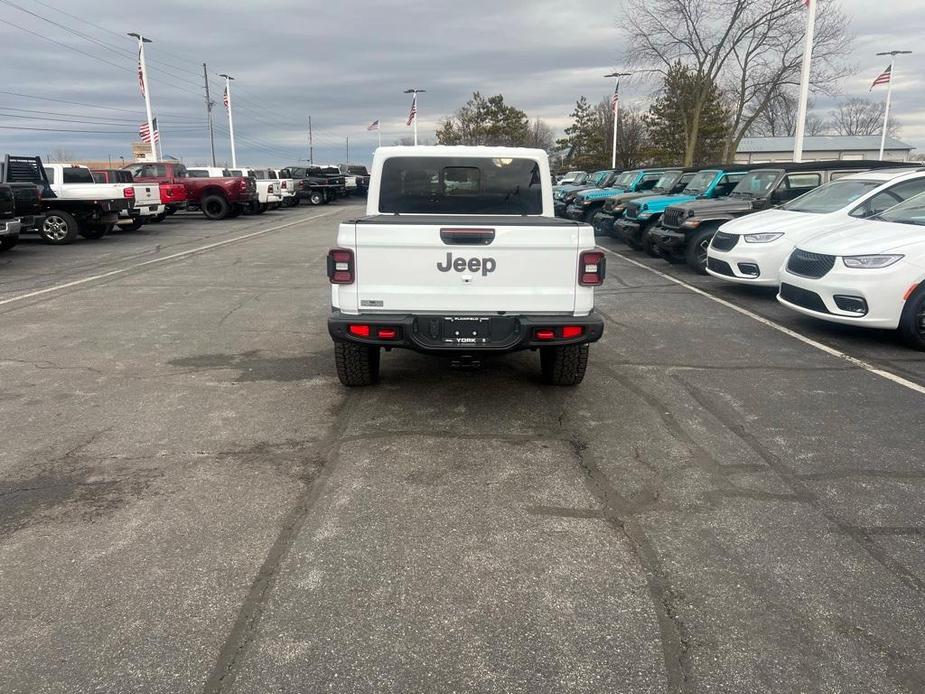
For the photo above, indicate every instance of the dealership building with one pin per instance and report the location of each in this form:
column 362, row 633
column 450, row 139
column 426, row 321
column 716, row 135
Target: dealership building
column 759, row 150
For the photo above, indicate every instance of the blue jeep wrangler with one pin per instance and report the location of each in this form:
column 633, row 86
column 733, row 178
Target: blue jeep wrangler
column 673, row 181
column 586, row 203
column 642, row 214
column 563, row 195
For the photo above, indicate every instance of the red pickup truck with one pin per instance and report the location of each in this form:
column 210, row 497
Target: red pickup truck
column 218, row 198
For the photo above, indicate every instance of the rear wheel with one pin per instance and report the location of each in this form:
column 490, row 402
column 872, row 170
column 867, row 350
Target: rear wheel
column 357, row 365
column 912, row 322
column 696, row 252
column 295, row 201
column 316, row 197
column 215, row 207
column 59, row 227
column 263, row 207
column 564, row 366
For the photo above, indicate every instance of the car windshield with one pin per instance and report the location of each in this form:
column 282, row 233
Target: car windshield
column 600, row 177
column 911, row 211
column 625, row 178
column 579, row 179
column 667, row 181
column 831, row 196
column 755, row 183
column 700, row 182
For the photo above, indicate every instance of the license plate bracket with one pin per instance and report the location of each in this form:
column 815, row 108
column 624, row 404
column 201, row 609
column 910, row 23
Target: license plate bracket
column 466, row 330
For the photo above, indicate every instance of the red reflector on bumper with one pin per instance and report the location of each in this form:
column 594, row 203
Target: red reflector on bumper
column 387, row 333
column 572, row 331
column 544, row 334
column 359, row 330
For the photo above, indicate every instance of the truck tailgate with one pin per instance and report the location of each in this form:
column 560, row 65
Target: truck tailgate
column 522, row 266
column 147, row 194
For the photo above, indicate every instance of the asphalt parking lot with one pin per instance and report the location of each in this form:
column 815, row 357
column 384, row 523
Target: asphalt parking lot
column 190, row 501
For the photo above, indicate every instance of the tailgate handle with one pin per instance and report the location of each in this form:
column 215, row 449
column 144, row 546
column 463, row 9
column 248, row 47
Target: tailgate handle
column 467, row 237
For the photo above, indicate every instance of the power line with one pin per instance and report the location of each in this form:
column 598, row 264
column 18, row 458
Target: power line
column 66, row 101
column 61, row 130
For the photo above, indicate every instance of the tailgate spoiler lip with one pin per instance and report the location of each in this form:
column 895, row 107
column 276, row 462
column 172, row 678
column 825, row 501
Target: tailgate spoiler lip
column 466, row 220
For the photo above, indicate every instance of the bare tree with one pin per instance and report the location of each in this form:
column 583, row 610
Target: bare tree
column 859, row 116
column 751, row 49
column 541, row 136
column 780, row 118
column 62, row 154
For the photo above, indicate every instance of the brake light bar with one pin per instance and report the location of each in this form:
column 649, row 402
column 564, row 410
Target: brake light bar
column 359, row 330
column 341, row 266
column 592, row 267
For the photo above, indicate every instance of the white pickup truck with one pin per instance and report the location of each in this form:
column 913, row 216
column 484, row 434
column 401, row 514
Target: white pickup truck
column 71, row 201
column 460, row 254
column 268, row 193
column 286, row 186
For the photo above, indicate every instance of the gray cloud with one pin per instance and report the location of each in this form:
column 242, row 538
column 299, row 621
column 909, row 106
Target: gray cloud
column 346, row 64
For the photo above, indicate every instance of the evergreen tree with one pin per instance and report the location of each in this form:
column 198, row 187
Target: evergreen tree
column 683, row 127
column 585, row 138
column 488, row 121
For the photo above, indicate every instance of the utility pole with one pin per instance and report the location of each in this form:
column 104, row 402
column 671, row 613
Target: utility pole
column 209, row 105
column 615, row 107
column 804, row 80
column 311, row 148
column 889, row 94
column 347, row 162
column 413, row 115
column 228, row 78
column 145, row 91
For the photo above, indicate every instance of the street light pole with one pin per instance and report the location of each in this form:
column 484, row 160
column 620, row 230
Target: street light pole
column 209, row 105
column 615, row 107
column 145, row 91
column 413, row 116
column 228, row 78
column 889, row 94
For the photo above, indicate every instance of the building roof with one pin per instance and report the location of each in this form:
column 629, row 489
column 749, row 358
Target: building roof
column 824, row 143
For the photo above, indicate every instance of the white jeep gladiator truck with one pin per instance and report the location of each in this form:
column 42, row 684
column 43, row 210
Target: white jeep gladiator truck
column 459, row 254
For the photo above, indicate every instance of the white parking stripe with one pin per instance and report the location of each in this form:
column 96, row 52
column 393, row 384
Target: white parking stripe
column 174, row 256
column 860, row 363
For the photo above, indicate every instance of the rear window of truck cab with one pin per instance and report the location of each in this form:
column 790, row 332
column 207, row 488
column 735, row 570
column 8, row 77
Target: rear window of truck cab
column 460, row 185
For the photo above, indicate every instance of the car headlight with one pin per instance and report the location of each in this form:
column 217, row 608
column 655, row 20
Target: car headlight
column 691, row 223
column 870, row 262
column 763, row 237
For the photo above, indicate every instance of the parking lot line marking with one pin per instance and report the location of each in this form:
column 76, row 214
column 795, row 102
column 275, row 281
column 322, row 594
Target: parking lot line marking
column 174, row 256
column 860, row 363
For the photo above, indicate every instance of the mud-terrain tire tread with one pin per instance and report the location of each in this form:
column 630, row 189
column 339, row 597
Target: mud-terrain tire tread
column 565, row 365
column 357, row 365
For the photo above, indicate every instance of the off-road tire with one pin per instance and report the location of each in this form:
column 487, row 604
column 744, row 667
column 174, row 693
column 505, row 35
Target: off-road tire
column 912, row 321
column 316, row 197
column 565, row 365
column 215, row 207
column 357, row 365
column 263, row 207
column 59, row 228
column 696, row 251
column 295, row 201
column 7, row 242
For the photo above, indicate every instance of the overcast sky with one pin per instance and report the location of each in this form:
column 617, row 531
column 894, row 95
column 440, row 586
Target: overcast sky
column 346, row 64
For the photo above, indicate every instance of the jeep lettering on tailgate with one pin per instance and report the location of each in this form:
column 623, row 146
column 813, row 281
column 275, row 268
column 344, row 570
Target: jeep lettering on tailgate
column 486, row 265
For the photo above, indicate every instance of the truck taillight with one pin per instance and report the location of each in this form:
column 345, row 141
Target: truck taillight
column 283, row 185
column 340, row 266
column 129, row 192
column 592, row 267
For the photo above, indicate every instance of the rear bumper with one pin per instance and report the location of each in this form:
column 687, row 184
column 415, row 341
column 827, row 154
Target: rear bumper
column 426, row 333
column 31, row 222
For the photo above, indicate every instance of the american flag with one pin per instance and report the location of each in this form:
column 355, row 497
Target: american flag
column 615, row 99
column 141, row 74
column 414, row 109
column 146, row 134
column 225, row 98
column 884, row 77
column 374, row 125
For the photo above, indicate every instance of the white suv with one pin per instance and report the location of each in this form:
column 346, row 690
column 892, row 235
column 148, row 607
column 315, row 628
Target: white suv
column 751, row 249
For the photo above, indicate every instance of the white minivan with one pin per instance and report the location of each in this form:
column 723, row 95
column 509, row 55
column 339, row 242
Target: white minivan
column 751, row 249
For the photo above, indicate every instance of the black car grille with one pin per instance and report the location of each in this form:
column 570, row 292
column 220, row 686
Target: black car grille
column 802, row 297
column 632, row 210
column 723, row 241
column 808, row 264
column 673, row 217
column 719, row 266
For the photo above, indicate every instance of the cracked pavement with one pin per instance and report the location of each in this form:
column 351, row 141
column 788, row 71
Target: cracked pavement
column 190, row 502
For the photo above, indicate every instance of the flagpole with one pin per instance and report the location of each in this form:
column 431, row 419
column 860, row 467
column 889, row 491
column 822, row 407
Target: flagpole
column 234, row 158
column 615, row 103
column 414, row 107
column 379, row 130
column 145, row 90
column 804, row 80
column 886, row 111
